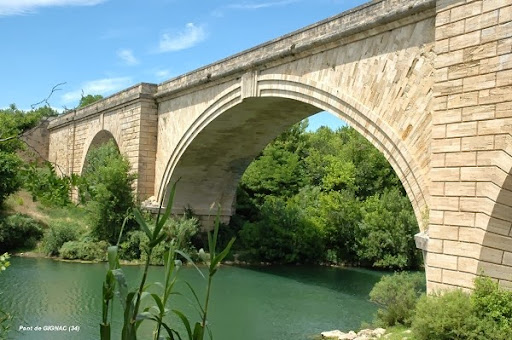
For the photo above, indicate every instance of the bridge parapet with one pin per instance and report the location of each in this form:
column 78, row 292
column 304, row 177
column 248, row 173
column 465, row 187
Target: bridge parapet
column 137, row 92
column 359, row 23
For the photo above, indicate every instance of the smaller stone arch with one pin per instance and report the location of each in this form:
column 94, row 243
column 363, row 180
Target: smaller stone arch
column 100, row 138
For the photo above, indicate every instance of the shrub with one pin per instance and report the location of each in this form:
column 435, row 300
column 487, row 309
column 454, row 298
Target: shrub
column 449, row 316
column 493, row 306
column 58, row 234
column 107, row 185
column 179, row 231
column 84, row 250
column 18, row 231
column 130, row 249
column 485, row 314
column 397, row 294
column 283, row 235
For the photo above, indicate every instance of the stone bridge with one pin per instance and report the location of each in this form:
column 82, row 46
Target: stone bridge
column 428, row 82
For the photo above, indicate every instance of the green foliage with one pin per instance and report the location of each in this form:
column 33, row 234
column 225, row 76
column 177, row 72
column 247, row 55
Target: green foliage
column 46, row 185
column 14, row 122
column 341, row 214
column 180, row 229
column 335, row 181
column 447, row 316
column 4, row 262
column 107, row 186
column 89, row 99
column 84, row 250
column 57, row 234
column 5, row 318
column 485, row 314
column 397, row 296
column 386, row 232
column 283, row 235
column 18, row 231
column 130, row 248
column 10, row 182
column 493, row 307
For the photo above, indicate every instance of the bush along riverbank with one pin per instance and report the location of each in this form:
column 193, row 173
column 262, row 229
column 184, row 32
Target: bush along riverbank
column 408, row 313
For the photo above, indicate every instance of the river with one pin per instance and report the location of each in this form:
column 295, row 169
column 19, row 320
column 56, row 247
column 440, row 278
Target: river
column 248, row 303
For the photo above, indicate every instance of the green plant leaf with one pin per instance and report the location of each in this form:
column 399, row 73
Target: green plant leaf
column 198, row 332
column 222, row 255
column 159, row 303
column 185, row 321
column 112, row 257
column 161, row 222
column 156, row 241
column 142, row 223
column 195, row 296
column 185, row 255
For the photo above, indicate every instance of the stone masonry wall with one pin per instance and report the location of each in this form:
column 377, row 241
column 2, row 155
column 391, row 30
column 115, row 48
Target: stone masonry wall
column 471, row 210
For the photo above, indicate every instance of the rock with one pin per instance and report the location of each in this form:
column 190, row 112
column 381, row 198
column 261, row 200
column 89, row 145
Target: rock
column 364, row 332
column 332, row 334
column 378, row 332
column 348, row 336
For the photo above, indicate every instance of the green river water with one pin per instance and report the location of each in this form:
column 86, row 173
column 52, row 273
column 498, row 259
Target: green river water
column 248, row 303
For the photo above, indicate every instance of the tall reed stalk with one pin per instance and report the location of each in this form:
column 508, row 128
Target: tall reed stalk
column 115, row 283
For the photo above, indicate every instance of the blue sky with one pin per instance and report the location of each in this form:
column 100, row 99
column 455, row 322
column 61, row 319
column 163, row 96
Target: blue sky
column 103, row 46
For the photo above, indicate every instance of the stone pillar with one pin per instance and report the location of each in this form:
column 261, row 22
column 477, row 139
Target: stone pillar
column 470, row 215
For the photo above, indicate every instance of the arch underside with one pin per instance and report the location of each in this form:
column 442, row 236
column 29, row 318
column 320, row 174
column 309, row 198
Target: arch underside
column 496, row 245
column 100, row 138
column 221, row 143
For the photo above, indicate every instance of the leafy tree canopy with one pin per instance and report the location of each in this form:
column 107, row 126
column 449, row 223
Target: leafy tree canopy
column 89, row 99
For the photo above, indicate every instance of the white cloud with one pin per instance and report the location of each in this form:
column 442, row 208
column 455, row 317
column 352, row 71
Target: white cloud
column 252, row 5
column 190, row 36
column 162, row 74
column 104, row 87
column 127, row 56
column 17, row 7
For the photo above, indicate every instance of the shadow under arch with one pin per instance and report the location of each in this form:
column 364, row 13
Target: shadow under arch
column 219, row 145
column 496, row 249
column 100, row 138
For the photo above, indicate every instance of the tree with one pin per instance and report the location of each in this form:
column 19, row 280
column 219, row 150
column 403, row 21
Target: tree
column 13, row 123
column 107, row 187
column 89, row 99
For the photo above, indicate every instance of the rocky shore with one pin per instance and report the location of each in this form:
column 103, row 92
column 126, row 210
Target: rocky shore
column 364, row 334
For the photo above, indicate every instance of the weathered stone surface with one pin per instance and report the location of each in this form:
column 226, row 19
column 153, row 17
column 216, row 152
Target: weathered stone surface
column 427, row 82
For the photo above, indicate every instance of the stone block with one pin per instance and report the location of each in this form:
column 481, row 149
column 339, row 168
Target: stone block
column 463, row 99
column 461, row 129
column 442, row 261
column 458, row 278
column 477, row 143
column 459, row 218
column 447, row 116
column 443, row 232
column 480, row 82
column 464, row 40
column 481, row 21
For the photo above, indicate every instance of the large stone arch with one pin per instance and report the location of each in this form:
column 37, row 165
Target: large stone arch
column 254, row 113
column 99, row 138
